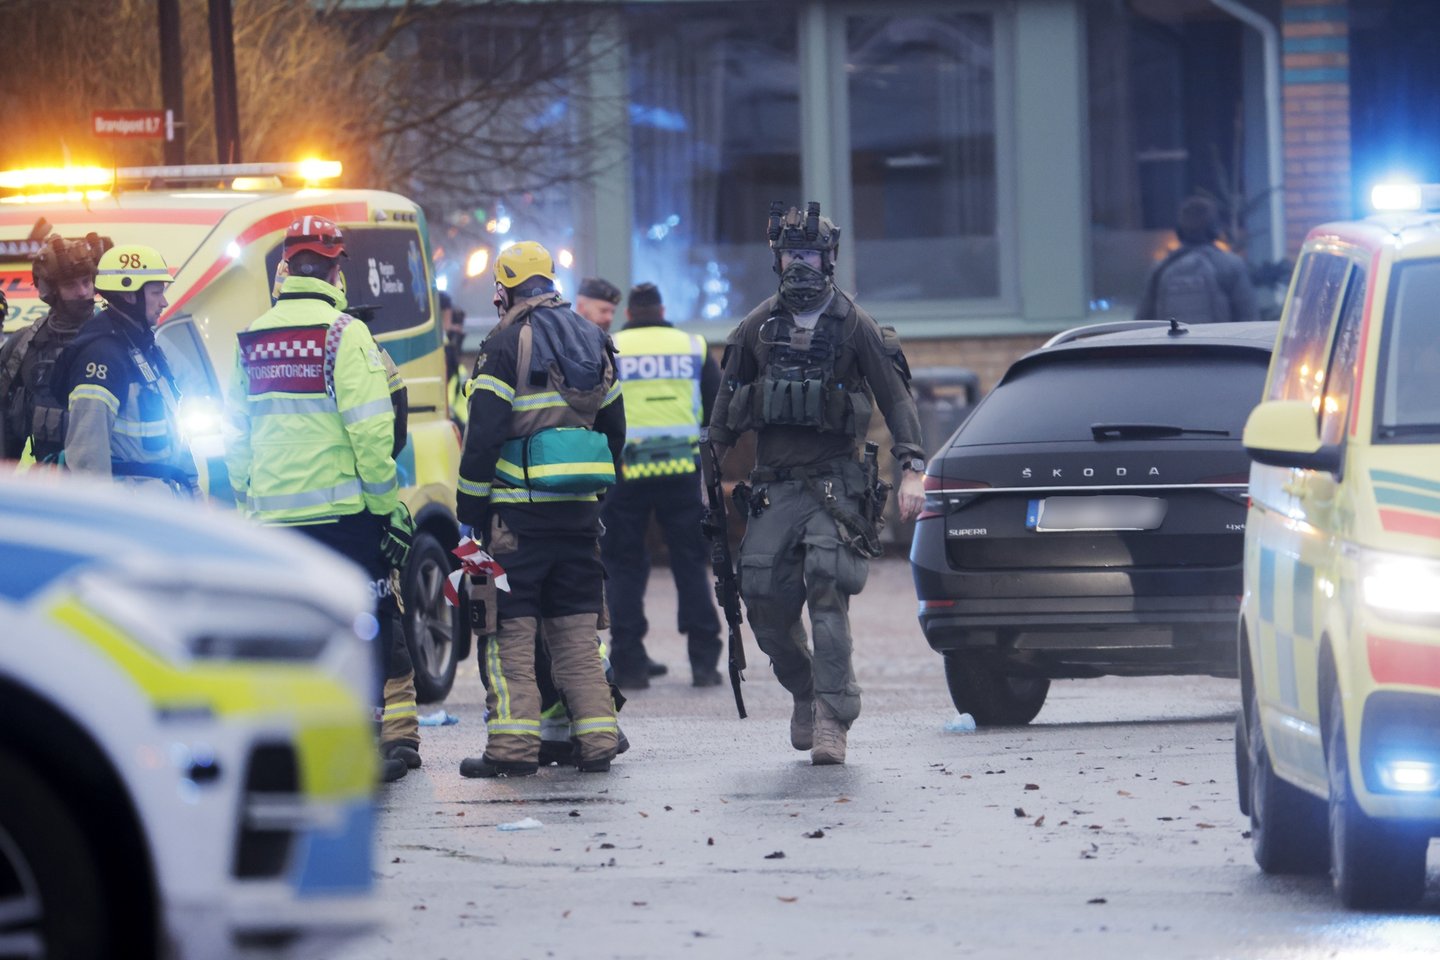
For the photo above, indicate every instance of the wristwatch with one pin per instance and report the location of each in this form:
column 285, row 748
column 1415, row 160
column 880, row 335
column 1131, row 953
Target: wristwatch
column 914, row 464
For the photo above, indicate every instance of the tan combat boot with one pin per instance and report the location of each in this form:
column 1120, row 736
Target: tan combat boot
column 802, row 724
column 829, row 746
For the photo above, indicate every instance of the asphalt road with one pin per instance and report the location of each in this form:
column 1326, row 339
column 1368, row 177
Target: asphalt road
column 1108, row 828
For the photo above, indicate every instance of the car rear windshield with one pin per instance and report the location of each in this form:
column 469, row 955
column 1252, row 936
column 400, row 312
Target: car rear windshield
column 1064, row 398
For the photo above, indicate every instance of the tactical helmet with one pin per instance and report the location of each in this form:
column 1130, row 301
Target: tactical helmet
column 61, row 260
column 793, row 230
column 128, row 267
column 521, row 261
column 316, row 234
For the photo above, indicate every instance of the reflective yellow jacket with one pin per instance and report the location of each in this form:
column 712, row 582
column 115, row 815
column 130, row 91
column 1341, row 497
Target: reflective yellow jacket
column 310, row 426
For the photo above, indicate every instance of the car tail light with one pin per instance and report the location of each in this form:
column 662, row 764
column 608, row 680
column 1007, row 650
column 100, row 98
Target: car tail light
column 940, row 492
column 935, row 604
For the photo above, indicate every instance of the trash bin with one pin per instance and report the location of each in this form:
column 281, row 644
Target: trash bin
column 944, row 397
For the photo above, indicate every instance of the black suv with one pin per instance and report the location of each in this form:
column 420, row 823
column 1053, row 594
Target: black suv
column 1088, row 518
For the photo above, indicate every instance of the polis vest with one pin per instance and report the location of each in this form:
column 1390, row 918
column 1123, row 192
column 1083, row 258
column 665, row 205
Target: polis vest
column 660, row 370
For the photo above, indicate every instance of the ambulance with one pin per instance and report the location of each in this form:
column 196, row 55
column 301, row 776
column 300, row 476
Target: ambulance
column 219, row 228
column 1338, row 739
column 187, row 755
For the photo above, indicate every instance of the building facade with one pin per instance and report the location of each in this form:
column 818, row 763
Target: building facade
column 1000, row 169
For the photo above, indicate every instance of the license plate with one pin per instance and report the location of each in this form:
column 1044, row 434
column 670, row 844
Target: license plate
column 1059, row 514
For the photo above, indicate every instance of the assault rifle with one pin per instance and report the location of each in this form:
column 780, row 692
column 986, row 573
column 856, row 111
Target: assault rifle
column 727, row 588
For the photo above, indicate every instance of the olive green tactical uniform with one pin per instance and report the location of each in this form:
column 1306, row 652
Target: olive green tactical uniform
column 809, row 394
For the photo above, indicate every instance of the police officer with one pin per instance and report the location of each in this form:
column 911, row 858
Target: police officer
column 547, row 426
column 121, row 416
column 310, row 446
column 31, row 408
column 597, row 300
column 801, row 371
column 669, row 380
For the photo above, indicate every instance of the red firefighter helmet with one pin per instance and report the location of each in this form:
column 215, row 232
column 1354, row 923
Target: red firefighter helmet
column 316, row 234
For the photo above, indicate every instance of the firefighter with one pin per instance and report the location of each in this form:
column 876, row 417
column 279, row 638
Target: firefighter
column 803, row 371
column 310, row 446
column 31, row 409
column 120, row 415
column 547, row 426
column 669, row 380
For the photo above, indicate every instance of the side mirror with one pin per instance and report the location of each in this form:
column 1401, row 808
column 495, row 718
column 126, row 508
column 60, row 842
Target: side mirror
column 1286, row 433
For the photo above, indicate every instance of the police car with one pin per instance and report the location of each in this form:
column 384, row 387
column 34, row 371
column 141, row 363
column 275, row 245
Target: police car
column 220, row 227
column 1338, row 741
column 186, row 754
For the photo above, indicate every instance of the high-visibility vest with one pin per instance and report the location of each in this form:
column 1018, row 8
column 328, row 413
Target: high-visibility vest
column 310, row 425
column 660, row 371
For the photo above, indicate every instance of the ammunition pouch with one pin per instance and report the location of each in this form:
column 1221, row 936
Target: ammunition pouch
column 47, row 432
column 822, row 405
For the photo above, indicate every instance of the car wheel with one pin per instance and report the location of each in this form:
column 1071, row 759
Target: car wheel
column 1242, row 764
column 1373, row 865
column 991, row 697
column 51, row 903
column 431, row 625
column 1287, row 825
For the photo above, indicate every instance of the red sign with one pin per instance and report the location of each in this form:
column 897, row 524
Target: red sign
column 125, row 124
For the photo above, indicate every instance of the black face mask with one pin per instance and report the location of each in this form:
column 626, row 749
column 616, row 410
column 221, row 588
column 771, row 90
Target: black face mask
column 803, row 288
column 75, row 311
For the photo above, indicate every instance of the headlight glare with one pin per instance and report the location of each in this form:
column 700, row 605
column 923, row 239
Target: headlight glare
column 1408, row 586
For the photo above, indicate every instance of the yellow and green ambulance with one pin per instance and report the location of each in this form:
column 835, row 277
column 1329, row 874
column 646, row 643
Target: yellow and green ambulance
column 219, row 228
column 1338, row 742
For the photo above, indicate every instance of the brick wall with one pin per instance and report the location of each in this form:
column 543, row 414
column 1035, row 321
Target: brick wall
column 1317, row 115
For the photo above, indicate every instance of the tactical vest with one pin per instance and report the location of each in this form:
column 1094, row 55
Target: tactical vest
column 801, row 382
column 33, row 409
column 660, row 370
column 564, row 373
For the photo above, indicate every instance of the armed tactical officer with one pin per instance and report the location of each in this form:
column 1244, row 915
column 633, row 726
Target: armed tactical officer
column 121, row 417
column 32, row 404
column 803, row 371
column 547, row 426
column 310, row 442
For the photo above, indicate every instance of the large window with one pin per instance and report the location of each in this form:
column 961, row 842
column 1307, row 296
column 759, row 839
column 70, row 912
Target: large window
column 715, row 136
column 923, row 156
column 1166, row 88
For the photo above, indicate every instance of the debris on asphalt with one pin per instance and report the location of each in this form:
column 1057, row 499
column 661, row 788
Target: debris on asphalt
column 815, row 834
column 1097, row 900
column 777, row 855
column 439, row 719
column 1040, row 821
column 960, row 723
column 529, row 823
column 1020, row 813
column 1032, row 786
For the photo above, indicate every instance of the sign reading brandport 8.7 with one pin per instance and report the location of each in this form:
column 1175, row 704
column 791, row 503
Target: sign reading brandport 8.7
column 122, row 124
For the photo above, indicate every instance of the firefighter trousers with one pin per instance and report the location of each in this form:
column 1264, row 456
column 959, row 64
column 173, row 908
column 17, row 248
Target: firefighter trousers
column 555, row 595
